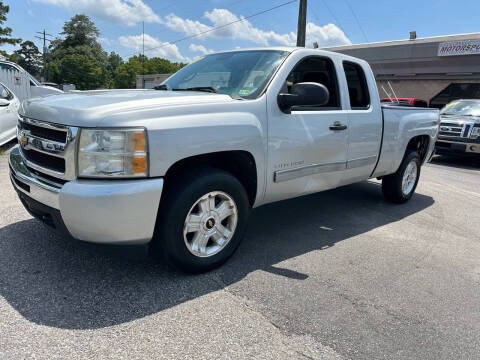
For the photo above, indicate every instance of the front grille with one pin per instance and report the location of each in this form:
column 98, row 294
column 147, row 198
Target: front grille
column 45, row 133
column 451, row 129
column 50, row 162
column 48, row 150
column 456, row 130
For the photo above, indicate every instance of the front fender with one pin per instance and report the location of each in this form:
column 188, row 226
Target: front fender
column 236, row 127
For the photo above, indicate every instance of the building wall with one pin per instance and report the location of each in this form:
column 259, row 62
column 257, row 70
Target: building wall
column 151, row 80
column 414, row 67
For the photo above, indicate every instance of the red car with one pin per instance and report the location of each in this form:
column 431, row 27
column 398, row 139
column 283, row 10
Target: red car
column 404, row 101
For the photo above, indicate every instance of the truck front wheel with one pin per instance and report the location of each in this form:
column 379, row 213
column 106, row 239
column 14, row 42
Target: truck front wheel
column 202, row 221
column 400, row 186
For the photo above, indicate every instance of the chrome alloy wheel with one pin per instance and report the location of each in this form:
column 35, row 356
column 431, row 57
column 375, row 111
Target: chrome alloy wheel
column 210, row 224
column 409, row 177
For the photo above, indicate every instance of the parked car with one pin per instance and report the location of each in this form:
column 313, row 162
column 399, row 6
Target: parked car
column 180, row 168
column 63, row 87
column 403, row 101
column 21, row 83
column 459, row 128
column 9, row 105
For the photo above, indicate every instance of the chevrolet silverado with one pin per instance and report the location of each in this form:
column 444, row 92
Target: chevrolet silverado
column 180, row 168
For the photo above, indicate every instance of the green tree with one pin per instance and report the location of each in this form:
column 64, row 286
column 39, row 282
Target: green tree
column 77, row 69
column 10, row 57
column 114, row 61
column 80, row 43
column 6, row 32
column 80, row 30
column 125, row 76
column 29, row 57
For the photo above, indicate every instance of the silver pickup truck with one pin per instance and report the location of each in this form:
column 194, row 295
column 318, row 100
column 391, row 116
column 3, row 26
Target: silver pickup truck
column 179, row 168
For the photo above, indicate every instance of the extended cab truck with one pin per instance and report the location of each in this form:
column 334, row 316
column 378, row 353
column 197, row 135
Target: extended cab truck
column 179, row 168
column 459, row 128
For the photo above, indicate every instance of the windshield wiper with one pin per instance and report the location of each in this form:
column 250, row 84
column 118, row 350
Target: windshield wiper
column 198, row 88
column 161, row 87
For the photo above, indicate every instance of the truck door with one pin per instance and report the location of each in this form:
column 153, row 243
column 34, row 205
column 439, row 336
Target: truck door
column 365, row 122
column 307, row 148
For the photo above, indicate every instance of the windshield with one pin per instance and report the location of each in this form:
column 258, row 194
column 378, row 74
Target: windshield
column 462, row 108
column 240, row 74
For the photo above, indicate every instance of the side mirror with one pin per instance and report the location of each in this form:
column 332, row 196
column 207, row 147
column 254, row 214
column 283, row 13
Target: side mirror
column 303, row 94
column 4, row 102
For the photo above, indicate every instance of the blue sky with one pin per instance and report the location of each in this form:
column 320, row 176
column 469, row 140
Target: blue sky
column 330, row 22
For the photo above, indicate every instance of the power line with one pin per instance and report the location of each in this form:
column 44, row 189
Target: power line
column 234, row 3
column 335, row 18
column 220, row 26
column 356, row 20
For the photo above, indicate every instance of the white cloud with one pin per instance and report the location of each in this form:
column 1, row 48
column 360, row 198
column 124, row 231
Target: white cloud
column 200, row 48
column 186, row 26
column 127, row 12
column 326, row 35
column 159, row 48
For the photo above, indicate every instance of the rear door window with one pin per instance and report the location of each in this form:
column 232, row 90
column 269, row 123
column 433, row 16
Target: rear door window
column 357, row 86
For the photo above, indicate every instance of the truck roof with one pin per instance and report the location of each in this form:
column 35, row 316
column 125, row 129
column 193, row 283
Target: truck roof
column 321, row 52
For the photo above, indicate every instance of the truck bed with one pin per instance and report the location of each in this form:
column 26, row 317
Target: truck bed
column 400, row 124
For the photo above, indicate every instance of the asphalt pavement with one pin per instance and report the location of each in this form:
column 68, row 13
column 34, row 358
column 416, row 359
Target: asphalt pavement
column 336, row 275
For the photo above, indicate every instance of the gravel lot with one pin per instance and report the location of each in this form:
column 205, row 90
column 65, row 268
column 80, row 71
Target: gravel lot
column 336, row 275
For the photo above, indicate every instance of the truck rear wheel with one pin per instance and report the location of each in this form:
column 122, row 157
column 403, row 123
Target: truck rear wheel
column 202, row 221
column 400, row 186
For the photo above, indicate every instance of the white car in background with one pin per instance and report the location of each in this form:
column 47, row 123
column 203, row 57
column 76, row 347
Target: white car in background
column 9, row 105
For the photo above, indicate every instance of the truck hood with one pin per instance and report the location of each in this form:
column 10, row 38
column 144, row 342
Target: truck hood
column 460, row 119
column 90, row 108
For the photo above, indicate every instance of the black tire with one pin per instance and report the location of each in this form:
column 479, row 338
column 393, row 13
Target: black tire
column 169, row 240
column 392, row 184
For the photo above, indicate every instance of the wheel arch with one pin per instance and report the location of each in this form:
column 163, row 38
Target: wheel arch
column 420, row 144
column 239, row 163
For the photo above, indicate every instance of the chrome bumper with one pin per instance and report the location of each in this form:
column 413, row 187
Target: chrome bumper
column 100, row 211
column 458, row 146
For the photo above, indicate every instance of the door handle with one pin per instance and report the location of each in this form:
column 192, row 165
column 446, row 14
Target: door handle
column 337, row 125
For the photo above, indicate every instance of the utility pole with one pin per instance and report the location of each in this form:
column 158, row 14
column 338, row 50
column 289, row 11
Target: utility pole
column 302, row 23
column 44, row 38
column 143, row 53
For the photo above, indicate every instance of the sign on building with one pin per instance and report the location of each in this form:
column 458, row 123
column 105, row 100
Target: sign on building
column 469, row 47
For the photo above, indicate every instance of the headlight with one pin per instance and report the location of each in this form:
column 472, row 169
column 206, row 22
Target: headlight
column 112, row 153
column 475, row 133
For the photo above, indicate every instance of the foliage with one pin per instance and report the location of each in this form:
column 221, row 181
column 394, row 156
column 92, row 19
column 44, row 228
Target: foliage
column 80, row 30
column 77, row 69
column 10, row 57
column 79, row 59
column 6, row 32
column 29, row 57
column 125, row 76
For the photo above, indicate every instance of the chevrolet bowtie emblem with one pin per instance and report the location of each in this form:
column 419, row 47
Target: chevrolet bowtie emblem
column 23, row 139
